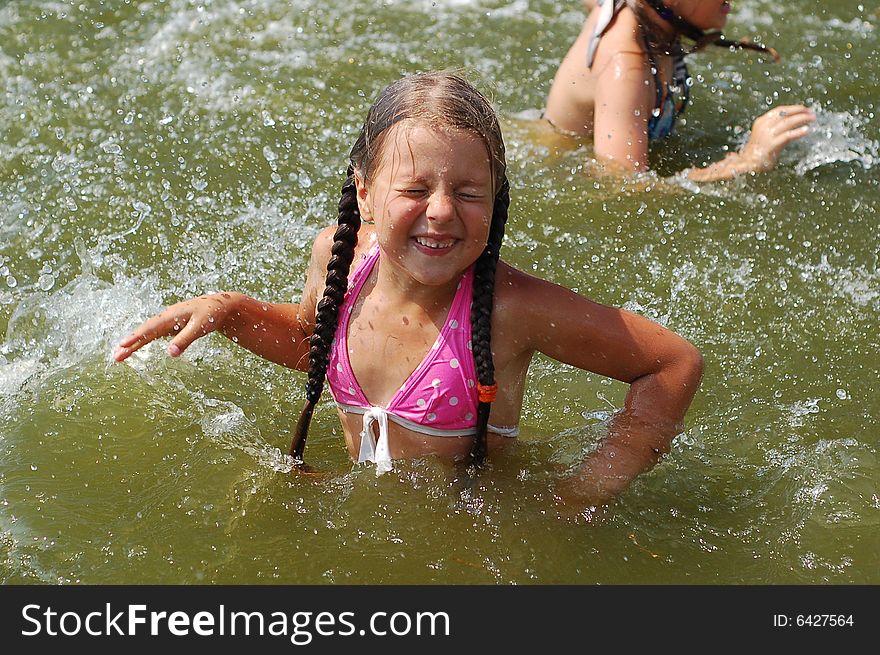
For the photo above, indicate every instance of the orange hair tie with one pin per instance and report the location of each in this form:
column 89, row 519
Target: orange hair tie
column 487, row 392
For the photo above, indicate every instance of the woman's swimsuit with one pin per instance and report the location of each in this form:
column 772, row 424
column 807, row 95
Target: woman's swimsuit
column 439, row 398
column 667, row 106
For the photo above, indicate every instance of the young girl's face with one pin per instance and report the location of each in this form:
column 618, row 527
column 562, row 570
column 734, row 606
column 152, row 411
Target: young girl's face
column 431, row 198
column 705, row 14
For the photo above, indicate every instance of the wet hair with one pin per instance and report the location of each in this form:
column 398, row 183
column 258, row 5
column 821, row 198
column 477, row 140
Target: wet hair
column 440, row 100
column 690, row 31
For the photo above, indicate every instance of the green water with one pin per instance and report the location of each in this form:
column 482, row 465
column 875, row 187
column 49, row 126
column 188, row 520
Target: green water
column 155, row 150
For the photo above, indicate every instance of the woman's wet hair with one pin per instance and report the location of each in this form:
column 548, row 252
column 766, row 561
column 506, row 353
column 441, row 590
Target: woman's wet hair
column 440, row 100
column 690, row 31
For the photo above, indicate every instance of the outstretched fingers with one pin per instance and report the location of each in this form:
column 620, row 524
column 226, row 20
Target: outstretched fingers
column 192, row 329
column 162, row 325
column 186, row 321
column 793, row 126
column 772, row 131
column 787, row 110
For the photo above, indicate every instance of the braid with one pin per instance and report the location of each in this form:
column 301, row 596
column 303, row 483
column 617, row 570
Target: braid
column 481, row 319
column 327, row 314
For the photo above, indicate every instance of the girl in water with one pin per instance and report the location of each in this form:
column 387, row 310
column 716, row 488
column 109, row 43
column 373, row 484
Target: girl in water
column 423, row 336
column 625, row 81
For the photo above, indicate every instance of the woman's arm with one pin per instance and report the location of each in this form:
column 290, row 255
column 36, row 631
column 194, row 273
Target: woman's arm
column 612, row 99
column 623, row 104
column 662, row 369
column 770, row 134
column 277, row 332
column 623, row 96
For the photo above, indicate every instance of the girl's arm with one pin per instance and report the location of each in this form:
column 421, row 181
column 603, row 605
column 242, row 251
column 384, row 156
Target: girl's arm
column 662, row 369
column 273, row 331
column 277, row 332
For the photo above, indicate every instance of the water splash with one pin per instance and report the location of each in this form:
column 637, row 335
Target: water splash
column 836, row 137
column 226, row 423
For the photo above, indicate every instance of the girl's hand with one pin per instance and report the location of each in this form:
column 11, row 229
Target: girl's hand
column 771, row 133
column 577, row 493
column 188, row 320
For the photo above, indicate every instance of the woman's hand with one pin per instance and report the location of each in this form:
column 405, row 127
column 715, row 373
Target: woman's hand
column 187, row 320
column 771, row 133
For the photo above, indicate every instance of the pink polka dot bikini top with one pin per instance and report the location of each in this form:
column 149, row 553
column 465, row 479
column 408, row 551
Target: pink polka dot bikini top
column 439, row 398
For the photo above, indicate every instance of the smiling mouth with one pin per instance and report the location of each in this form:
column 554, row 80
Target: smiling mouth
column 435, row 244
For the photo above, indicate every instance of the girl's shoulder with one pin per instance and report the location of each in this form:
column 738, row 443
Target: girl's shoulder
column 322, row 249
column 519, row 296
column 532, row 314
column 323, row 244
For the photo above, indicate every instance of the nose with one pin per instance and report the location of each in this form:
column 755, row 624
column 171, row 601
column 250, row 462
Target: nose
column 441, row 206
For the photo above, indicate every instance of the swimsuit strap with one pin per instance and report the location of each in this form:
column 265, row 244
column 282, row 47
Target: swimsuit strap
column 608, row 9
column 357, row 279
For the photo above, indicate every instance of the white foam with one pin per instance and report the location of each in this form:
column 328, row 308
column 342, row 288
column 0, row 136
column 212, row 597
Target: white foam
column 14, row 375
column 858, row 284
column 836, row 137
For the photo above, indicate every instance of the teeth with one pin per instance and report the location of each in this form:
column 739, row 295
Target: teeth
column 431, row 243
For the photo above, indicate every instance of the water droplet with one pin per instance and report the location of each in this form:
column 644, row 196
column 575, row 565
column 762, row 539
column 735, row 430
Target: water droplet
column 129, row 118
column 111, row 148
column 268, row 121
column 46, row 282
column 198, row 184
column 269, row 154
column 11, row 282
column 59, row 163
column 33, row 467
column 841, row 393
column 141, row 207
column 166, row 120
